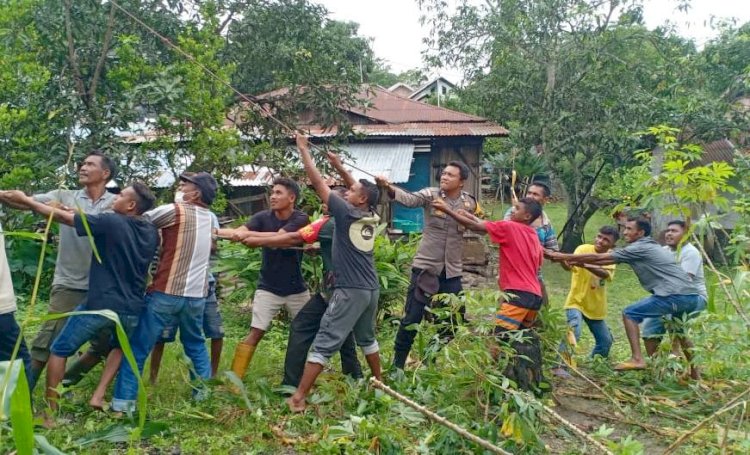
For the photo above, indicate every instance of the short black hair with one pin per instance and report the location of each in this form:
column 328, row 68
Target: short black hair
column 289, row 184
column 610, row 231
column 107, row 163
column 679, row 223
column 545, row 188
column 533, row 207
column 463, row 169
column 642, row 223
column 372, row 191
column 144, row 198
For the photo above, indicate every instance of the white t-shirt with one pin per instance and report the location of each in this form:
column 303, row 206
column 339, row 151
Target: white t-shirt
column 7, row 297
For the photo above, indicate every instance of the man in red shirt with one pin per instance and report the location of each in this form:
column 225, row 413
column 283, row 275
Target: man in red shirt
column 521, row 257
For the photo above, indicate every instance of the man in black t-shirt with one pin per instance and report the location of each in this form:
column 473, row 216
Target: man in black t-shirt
column 281, row 283
column 354, row 303
column 127, row 244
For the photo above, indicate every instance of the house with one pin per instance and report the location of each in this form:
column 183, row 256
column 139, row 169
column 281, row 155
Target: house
column 401, row 89
column 435, row 90
column 407, row 141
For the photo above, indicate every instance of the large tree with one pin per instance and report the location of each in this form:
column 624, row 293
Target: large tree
column 576, row 78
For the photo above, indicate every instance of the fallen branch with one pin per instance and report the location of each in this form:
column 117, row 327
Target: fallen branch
column 436, row 418
column 734, row 402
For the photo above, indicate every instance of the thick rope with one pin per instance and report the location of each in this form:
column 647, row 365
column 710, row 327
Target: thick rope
column 436, row 418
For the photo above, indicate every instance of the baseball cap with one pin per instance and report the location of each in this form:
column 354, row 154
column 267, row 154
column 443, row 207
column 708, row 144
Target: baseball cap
column 205, row 183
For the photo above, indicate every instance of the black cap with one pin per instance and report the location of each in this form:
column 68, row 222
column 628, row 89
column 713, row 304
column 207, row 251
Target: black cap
column 205, row 183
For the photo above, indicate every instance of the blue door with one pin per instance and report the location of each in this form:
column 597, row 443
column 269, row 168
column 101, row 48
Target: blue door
column 412, row 220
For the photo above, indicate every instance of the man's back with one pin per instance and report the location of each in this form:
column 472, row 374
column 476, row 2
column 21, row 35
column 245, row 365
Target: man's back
column 74, row 252
column 185, row 249
column 127, row 245
column 521, row 255
column 655, row 268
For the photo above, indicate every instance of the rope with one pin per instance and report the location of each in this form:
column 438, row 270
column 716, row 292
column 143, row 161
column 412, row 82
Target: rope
column 436, row 418
column 252, row 103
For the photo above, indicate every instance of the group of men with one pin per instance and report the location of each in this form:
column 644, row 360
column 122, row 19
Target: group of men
column 128, row 233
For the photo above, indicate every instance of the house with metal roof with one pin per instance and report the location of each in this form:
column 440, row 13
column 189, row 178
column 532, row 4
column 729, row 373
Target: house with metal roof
column 406, row 140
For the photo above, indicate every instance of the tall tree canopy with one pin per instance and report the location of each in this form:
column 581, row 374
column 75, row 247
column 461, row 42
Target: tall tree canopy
column 574, row 78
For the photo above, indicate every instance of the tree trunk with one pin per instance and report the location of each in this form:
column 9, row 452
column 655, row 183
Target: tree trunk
column 572, row 235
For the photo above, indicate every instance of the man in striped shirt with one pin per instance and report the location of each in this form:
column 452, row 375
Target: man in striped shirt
column 177, row 294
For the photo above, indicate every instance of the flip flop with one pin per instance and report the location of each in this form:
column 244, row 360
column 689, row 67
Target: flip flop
column 629, row 365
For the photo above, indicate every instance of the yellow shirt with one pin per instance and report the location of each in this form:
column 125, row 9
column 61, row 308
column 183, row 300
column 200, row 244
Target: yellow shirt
column 588, row 292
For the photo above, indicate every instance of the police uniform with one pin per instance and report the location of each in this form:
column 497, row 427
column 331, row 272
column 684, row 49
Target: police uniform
column 439, row 257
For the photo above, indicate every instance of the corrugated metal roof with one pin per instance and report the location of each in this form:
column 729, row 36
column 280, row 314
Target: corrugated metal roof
column 254, row 176
column 721, row 150
column 390, row 160
column 444, row 129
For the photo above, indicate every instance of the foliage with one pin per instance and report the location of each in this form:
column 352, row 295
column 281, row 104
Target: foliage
column 576, row 78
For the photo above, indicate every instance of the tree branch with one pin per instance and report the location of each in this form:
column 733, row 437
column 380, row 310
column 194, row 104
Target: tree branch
column 80, row 88
column 103, row 54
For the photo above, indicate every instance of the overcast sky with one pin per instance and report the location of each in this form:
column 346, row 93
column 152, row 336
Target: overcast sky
column 397, row 36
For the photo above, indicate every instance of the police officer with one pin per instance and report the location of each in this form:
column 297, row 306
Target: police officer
column 437, row 265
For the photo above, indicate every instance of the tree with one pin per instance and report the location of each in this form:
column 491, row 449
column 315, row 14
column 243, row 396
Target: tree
column 577, row 77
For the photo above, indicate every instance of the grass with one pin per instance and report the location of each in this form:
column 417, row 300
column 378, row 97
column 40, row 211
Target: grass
column 653, row 407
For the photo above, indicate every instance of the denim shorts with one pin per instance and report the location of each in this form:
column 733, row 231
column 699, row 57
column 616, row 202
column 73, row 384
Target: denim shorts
column 80, row 328
column 656, row 306
column 658, row 327
column 213, row 325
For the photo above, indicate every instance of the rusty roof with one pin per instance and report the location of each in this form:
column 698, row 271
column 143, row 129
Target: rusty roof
column 721, row 150
column 394, row 115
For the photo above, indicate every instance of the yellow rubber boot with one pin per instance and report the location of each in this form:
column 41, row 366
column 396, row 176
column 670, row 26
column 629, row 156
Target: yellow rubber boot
column 243, row 353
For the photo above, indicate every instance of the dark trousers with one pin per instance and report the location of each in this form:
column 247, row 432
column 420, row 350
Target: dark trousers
column 414, row 312
column 303, row 330
column 9, row 333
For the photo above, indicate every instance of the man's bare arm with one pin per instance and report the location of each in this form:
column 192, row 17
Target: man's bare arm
column 19, row 200
column 463, row 217
column 335, row 161
column 589, row 258
column 275, row 240
column 312, row 172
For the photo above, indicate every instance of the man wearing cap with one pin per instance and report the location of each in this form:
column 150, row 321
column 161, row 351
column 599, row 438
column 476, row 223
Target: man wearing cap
column 354, row 303
column 177, row 293
column 437, row 266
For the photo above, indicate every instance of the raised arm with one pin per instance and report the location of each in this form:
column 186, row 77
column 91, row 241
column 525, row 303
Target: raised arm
column 335, row 161
column 462, row 216
column 312, row 172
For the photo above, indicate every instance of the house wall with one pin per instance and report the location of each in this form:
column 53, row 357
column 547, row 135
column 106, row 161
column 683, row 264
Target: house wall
column 468, row 150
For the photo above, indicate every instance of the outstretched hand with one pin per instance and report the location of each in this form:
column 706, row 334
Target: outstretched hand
column 334, row 159
column 15, row 197
column 382, row 180
column 302, row 142
column 439, row 204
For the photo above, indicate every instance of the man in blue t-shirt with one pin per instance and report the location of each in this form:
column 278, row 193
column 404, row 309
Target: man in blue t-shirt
column 354, row 303
column 126, row 243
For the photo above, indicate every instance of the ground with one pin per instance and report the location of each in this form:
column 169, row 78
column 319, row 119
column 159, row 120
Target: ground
column 635, row 412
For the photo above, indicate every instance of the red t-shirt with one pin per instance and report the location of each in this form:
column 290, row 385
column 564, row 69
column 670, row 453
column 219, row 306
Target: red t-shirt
column 521, row 255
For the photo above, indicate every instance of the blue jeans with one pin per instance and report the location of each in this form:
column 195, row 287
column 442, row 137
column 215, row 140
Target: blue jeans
column 656, row 306
column 598, row 328
column 657, row 327
column 80, row 328
column 163, row 310
column 213, row 325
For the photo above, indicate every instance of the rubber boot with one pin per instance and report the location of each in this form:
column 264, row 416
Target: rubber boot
column 243, row 353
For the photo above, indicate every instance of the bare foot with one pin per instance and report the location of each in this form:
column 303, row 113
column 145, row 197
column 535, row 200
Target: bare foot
column 296, row 405
column 631, row 364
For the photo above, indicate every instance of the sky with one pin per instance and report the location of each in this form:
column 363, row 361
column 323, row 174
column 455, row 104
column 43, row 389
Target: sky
column 397, row 35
